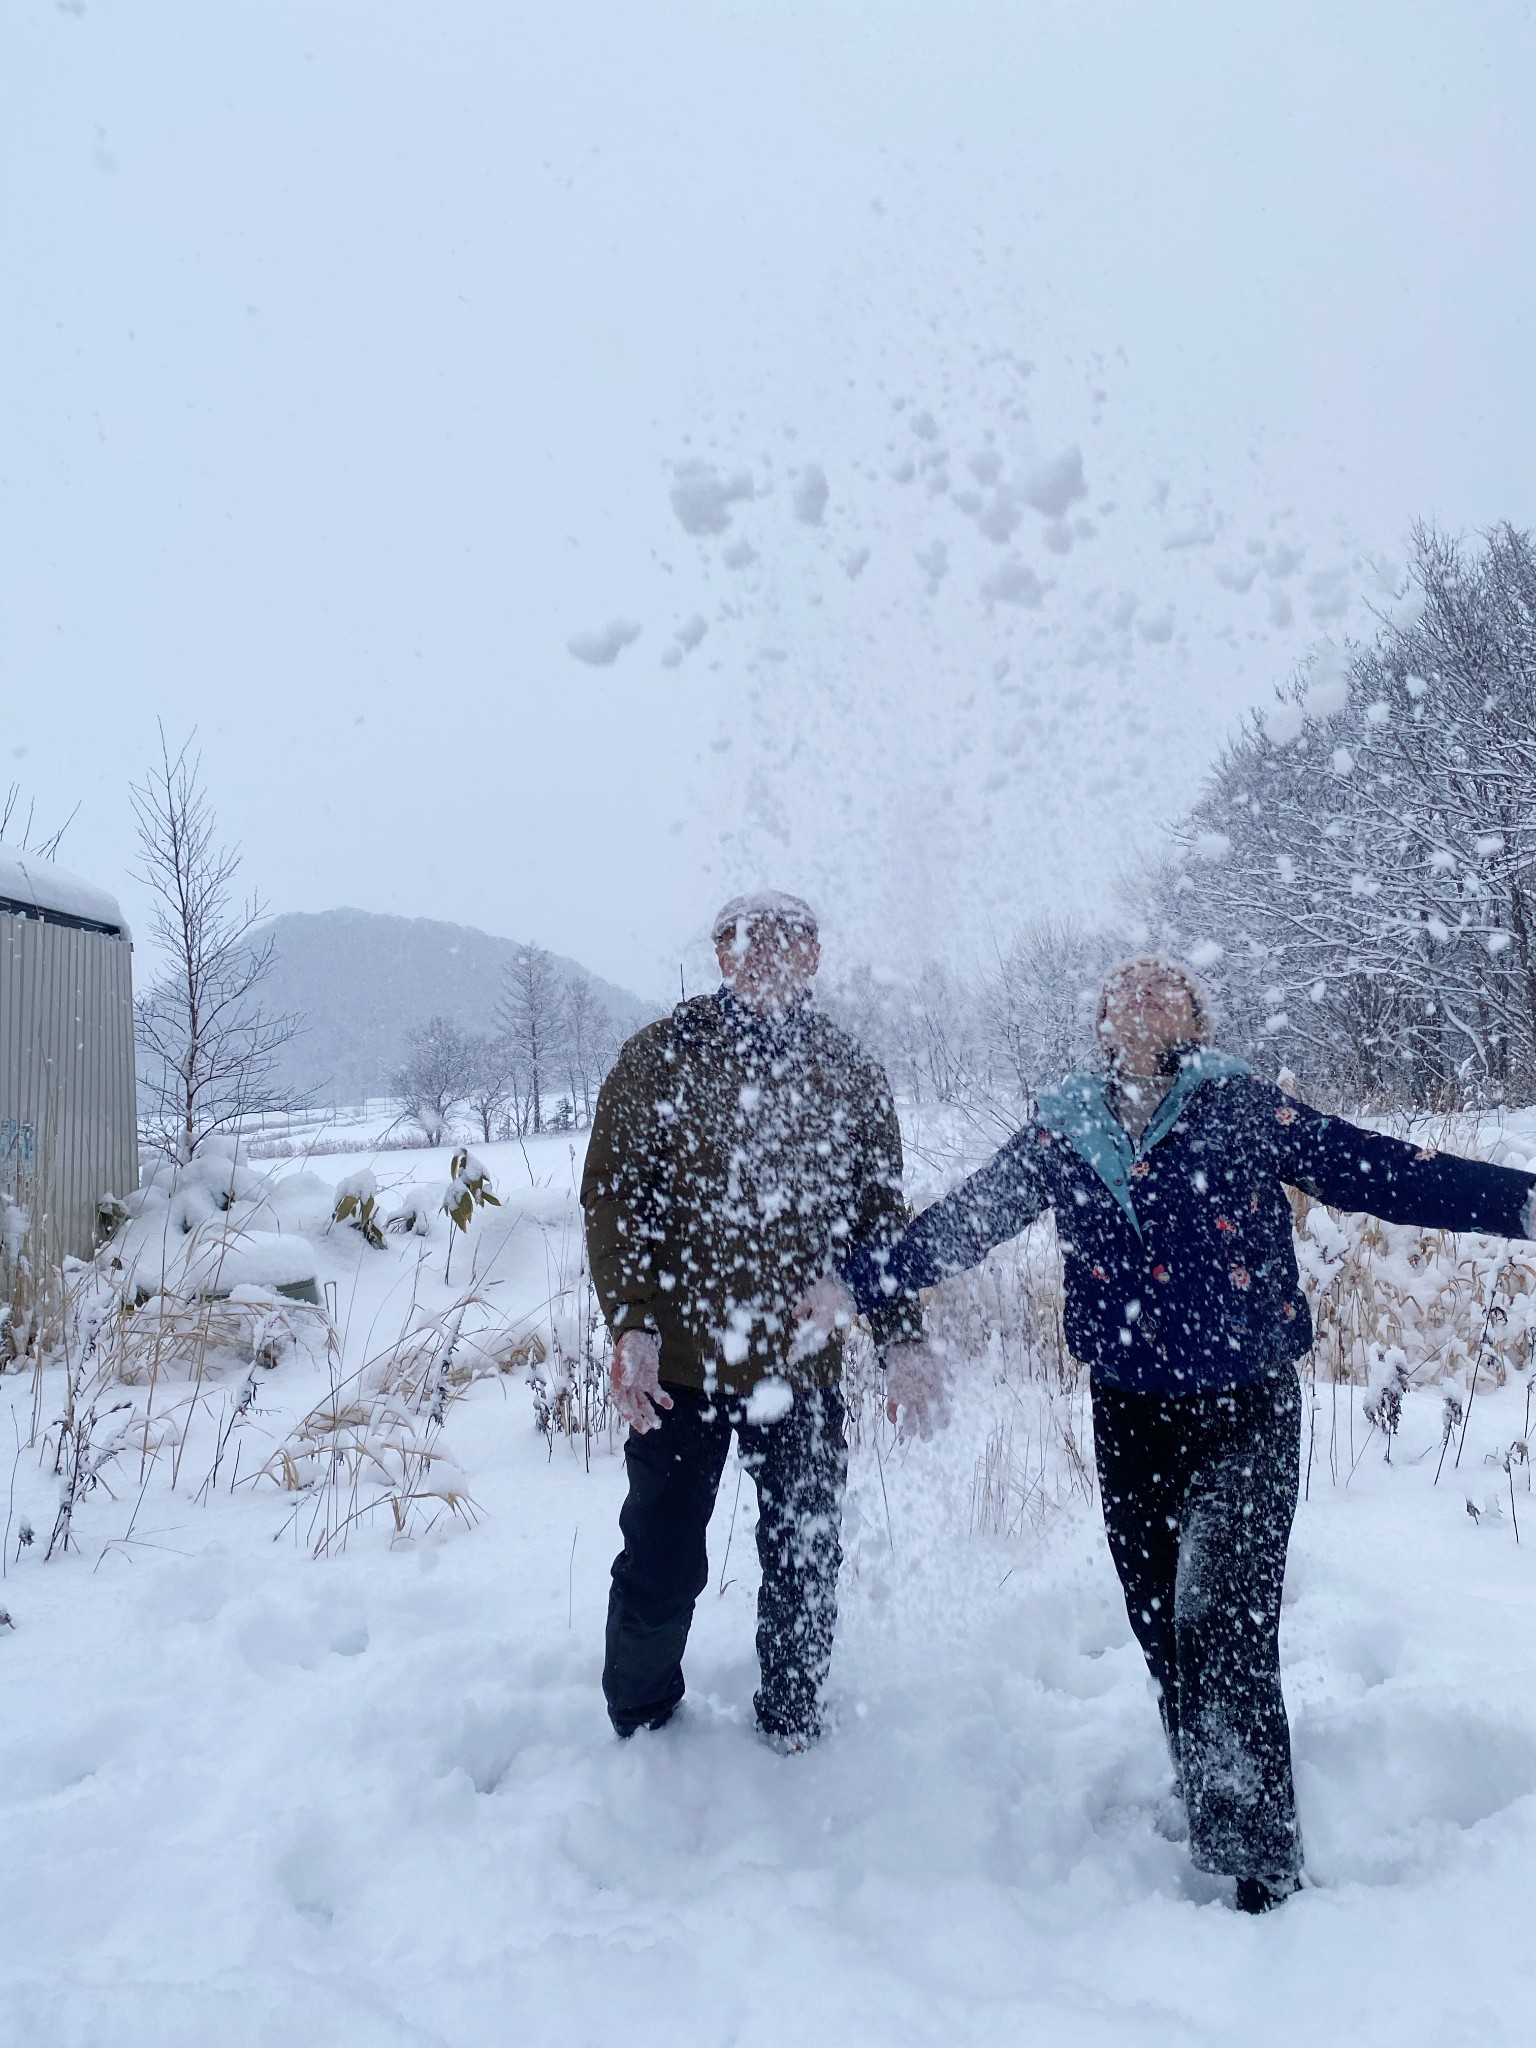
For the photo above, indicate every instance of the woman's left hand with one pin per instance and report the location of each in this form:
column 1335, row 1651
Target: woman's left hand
column 917, row 1387
column 821, row 1312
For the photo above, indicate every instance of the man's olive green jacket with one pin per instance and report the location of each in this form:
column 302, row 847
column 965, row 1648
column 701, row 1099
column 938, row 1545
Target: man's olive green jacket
column 733, row 1160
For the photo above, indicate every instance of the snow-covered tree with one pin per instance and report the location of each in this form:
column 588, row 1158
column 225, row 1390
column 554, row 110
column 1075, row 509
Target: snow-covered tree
column 1359, row 877
column 436, row 1076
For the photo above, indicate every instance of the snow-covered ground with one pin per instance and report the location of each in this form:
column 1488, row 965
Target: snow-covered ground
column 251, row 1798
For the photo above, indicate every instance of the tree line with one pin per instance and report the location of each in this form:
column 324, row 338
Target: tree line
column 984, row 1042
column 551, row 1035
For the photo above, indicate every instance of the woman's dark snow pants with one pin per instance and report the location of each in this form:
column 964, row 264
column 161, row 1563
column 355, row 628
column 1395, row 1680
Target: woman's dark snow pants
column 1199, row 1493
column 800, row 1466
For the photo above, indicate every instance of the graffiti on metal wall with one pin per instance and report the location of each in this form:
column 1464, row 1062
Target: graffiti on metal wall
column 18, row 1151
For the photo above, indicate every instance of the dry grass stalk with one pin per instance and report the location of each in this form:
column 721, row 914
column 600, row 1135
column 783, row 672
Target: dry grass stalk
column 1007, row 1318
column 374, row 1444
column 569, row 1376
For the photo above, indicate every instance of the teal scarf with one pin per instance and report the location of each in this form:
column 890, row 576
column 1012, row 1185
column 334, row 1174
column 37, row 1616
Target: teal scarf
column 1079, row 1111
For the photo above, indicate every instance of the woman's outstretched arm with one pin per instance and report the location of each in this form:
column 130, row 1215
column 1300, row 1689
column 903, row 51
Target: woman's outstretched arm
column 996, row 1203
column 1348, row 1168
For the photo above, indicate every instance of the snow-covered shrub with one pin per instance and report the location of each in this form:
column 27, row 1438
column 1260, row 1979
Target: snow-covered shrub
column 1397, row 1310
column 212, row 1226
column 414, row 1209
column 469, row 1189
column 357, row 1203
column 568, row 1377
column 167, row 1343
column 571, row 1392
column 1383, row 1405
column 184, row 1299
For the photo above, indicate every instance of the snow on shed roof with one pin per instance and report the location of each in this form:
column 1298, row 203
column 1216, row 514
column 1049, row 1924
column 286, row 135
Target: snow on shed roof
column 37, row 887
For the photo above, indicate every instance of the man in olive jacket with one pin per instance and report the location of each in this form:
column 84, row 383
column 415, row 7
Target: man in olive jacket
column 739, row 1147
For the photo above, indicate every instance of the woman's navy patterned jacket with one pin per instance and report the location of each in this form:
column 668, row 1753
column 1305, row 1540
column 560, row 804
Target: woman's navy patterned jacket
column 1180, row 1264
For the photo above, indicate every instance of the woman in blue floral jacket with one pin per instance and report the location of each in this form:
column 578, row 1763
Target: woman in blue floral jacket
column 1167, row 1172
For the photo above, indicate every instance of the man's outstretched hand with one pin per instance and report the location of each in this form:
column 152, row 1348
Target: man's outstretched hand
column 917, row 1387
column 635, row 1376
column 821, row 1312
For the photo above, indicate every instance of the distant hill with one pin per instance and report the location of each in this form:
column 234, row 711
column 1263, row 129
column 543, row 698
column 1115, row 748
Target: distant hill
column 361, row 981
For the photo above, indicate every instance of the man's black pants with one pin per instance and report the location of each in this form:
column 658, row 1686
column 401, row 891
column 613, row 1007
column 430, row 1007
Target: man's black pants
column 799, row 1463
column 1199, row 1493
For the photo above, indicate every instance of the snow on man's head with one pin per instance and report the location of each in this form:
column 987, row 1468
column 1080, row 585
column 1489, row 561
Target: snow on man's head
column 764, row 907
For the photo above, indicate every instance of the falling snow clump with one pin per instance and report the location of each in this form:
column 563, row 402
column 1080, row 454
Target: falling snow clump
column 601, row 647
column 702, row 498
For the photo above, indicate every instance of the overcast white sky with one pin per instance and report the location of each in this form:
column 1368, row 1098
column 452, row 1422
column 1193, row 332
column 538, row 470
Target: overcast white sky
column 352, row 353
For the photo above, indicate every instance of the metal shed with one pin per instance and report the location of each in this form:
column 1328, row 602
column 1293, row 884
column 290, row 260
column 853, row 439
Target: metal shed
column 68, row 1129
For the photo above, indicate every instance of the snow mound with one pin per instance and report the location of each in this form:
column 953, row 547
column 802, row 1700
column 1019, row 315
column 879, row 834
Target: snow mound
column 248, row 1258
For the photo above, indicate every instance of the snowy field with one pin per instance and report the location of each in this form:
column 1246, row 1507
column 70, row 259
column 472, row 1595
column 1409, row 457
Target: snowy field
column 252, row 1798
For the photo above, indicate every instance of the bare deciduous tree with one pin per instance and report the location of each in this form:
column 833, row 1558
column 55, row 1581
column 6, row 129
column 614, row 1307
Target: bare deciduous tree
column 208, row 1048
column 591, row 1041
column 437, row 1075
column 530, row 1018
column 492, row 1093
column 983, row 1045
column 1034, row 1008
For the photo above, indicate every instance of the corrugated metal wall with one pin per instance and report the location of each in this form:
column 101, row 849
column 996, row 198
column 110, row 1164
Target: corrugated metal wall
column 68, row 1129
